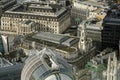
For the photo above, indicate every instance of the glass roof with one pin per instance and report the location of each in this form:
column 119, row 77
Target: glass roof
column 58, row 77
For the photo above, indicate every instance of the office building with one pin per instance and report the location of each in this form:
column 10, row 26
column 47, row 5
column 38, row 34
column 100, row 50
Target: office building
column 50, row 17
column 111, row 28
column 46, row 65
column 87, row 9
column 78, row 13
column 5, row 5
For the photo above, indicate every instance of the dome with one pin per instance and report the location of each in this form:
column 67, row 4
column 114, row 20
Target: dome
column 58, row 77
column 46, row 65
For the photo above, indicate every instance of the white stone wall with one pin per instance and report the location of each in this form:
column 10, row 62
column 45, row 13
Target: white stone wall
column 48, row 20
column 50, row 25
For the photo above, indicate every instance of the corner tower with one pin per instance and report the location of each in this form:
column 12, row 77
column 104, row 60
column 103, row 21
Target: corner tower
column 84, row 43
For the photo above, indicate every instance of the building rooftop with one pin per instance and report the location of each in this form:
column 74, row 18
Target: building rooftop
column 94, row 25
column 70, row 41
column 54, row 9
column 28, row 22
column 61, row 76
column 113, row 16
column 93, row 3
column 104, row 54
column 5, row 3
column 11, row 72
column 50, row 62
column 44, row 6
column 111, row 21
column 59, row 41
column 55, row 38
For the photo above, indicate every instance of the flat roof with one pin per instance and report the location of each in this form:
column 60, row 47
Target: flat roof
column 6, row 2
column 94, row 26
column 19, row 9
column 28, row 22
column 11, row 69
column 113, row 16
column 111, row 21
column 44, row 6
column 93, row 3
column 70, row 41
column 55, row 38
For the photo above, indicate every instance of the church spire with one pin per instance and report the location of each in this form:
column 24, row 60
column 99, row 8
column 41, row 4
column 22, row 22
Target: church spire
column 83, row 38
column 108, row 68
column 112, row 68
column 115, row 67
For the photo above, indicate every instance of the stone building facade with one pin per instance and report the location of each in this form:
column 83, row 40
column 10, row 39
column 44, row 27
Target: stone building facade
column 5, row 5
column 51, row 17
column 87, row 9
column 78, row 13
column 86, row 50
column 27, row 27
